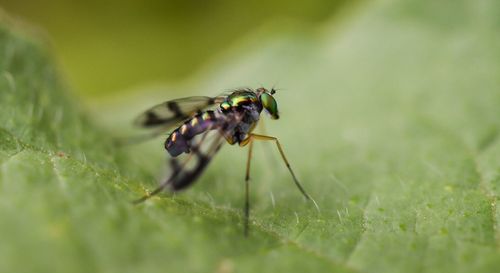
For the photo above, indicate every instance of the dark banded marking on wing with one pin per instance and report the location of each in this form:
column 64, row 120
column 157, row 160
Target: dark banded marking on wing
column 186, row 176
column 170, row 113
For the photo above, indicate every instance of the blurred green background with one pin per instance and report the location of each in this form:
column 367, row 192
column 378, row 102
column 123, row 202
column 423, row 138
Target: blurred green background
column 389, row 116
column 109, row 46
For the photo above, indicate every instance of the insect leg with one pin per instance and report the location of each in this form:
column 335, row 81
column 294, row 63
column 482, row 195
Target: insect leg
column 280, row 149
column 247, row 188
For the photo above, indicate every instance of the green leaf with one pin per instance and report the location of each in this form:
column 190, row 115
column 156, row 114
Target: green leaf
column 389, row 117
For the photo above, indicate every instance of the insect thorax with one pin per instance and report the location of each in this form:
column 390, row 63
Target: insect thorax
column 245, row 107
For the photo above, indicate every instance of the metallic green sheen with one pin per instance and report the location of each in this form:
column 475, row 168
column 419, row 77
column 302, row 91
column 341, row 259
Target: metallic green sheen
column 239, row 97
column 269, row 103
column 225, row 105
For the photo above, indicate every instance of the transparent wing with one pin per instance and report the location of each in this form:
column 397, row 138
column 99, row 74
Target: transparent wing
column 172, row 112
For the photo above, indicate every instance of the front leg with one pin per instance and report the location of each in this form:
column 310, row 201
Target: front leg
column 247, row 187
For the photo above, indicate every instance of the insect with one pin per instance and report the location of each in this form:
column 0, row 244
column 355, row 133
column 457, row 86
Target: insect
column 232, row 117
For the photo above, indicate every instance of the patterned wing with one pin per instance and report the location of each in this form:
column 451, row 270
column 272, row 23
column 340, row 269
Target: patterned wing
column 172, row 112
column 200, row 156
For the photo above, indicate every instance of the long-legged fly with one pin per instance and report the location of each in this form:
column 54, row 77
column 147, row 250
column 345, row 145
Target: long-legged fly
column 231, row 118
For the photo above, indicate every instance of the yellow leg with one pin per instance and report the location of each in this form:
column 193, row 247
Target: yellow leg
column 247, row 188
column 253, row 137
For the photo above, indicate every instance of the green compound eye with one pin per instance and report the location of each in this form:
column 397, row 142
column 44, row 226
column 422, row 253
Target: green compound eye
column 270, row 105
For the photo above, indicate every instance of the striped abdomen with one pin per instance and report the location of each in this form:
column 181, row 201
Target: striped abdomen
column 180, row 139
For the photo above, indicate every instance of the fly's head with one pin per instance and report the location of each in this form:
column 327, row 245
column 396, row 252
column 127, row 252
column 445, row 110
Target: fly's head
column 268, row 102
